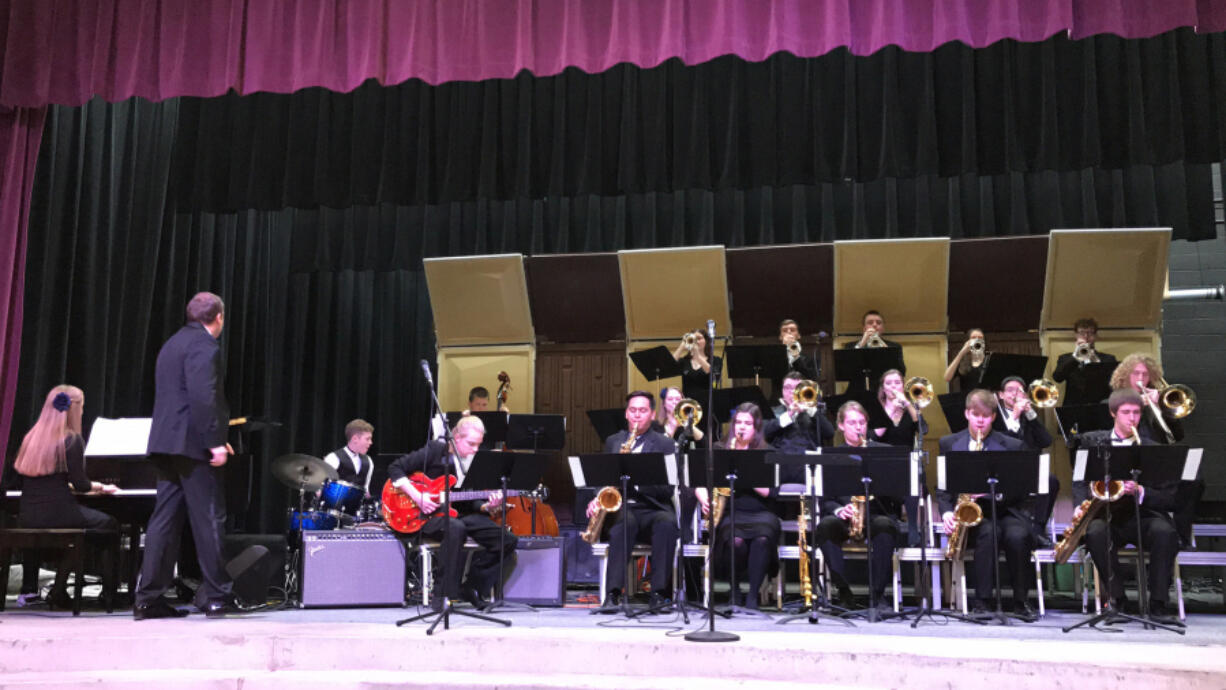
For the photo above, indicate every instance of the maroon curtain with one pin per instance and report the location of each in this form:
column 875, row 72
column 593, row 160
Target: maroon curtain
column 20, row 134
column 66, row 51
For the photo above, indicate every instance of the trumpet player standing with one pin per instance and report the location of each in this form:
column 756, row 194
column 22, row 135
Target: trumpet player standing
column 798, row 361
column 756, row 538
column 1157, row 502
column 967, row 365
column 1085, row 369
column 1018, row 419
column 698, row 364
column 834, row 529
column 1014, row 535
column 647, row 511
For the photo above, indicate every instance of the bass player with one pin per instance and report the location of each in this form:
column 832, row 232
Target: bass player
column 472, row 520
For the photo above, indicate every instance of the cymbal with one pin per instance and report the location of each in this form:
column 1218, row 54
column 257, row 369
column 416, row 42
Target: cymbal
column 297, row 470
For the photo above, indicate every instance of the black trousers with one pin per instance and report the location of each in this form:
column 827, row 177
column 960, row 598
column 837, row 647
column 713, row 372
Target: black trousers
column 75, row 517
column 1014, row 537
column 188, row 489
column 483, row 571
column 832, row 532
column 647, row 524
column 1161, row 543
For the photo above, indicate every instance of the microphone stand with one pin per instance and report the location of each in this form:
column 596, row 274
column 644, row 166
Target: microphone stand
column 711, row 634
column 449, row 609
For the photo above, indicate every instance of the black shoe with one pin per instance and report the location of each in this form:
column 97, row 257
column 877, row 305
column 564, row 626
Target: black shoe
column 436, row 602
column 1159, row 613
column 845, row 597
column 658, row 601
column 226, row 606
column 59, row 600
column 1023, row 610
column 751, row 601
column 1043, row 541
column 474, row 598
column 158, row 609
column 979, row 607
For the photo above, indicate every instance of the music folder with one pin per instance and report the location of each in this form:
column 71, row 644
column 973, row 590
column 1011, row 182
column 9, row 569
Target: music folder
column 1157, row 464
column 598, row 470
column 749, row 465
column 1015, row 471
column 893, row 471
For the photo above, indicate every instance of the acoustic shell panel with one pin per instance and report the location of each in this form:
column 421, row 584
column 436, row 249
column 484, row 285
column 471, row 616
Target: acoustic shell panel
column 479, row 300
column 670, row 291
column 1117, row 277
column 906, row 280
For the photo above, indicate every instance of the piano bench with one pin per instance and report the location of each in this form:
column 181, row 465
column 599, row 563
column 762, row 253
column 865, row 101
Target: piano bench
column 73, row 543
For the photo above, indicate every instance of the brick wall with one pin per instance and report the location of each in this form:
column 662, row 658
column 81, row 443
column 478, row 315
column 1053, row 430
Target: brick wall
column 1194, row 348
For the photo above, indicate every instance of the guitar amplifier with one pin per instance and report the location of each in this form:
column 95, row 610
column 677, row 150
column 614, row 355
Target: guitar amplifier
column 352, row 568
column 539, row 577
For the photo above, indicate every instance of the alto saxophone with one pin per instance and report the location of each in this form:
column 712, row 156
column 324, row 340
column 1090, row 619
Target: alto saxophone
column 609, row 500
column 967, row 514
column 629, row 444
column 855, row 531
column 802, row 543
column 718, row 504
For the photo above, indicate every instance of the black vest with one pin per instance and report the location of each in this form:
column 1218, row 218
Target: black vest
column 345, row 472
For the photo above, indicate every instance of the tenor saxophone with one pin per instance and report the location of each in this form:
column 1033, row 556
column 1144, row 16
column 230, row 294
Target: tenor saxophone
column 802, row 543
column 718, row 504
column 967, row 514
column 609, row 500
column 855, row 531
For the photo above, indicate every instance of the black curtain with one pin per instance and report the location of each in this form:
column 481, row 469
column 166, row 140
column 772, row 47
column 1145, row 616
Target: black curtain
column 1102, row 103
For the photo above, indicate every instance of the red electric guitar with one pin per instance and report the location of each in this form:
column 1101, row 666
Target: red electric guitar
column 403, row 515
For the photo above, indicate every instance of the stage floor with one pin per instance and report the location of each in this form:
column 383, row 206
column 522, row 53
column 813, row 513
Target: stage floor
column 554, row 648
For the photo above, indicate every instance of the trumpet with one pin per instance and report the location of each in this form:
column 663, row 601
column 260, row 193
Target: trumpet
column 609, row 500
column 978, row 346
column 687, row 410
column 689, row 339
column 875, row 340
column 807, row 393
column 1085, row 353
column 1043, row 393
column 794, row 349
column 919, row 391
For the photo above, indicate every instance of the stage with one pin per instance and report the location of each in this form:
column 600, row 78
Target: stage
column 571, row 648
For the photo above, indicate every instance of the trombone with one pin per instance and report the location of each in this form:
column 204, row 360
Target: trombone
column 688, row 410
column 919, row 391
column 1177, row 398
column 1043, row 393
column 806, row 394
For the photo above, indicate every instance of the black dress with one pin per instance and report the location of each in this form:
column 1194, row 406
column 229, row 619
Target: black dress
column 900, row 434
column 694, row 382
column 970, row 380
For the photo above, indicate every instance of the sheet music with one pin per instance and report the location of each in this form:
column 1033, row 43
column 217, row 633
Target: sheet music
column 124, row 436
column 941, row 472
column 915, row 461
column 1044, row 472
column 1079, row 465
column 818, row 489
column 576, row 471
column 670, row 467
column 1192, row 466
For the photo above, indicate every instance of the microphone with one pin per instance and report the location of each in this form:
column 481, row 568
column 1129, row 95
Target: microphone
column 821, row 335
column 425, row 369
column 711, row 330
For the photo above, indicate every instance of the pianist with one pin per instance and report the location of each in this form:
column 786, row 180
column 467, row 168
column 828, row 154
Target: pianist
column 50, row 465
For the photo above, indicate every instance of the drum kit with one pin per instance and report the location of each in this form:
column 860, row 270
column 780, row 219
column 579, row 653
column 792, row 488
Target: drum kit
column 324, row 501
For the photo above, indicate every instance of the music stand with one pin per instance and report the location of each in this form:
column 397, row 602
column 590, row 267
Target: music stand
column 744, row 361
column 508, row 472
column 1001, row 365
column 607, row 422
column 1075, row 420
column 750, row 469
column 1158, row 464
column 536, row 431
column 862, row 367
column 875, row 471
column 727, row 400
column 599, row 470
column 820, row 605
column 877, row 418
column 656, row 363
column 1016, row 472
column 449, row 609
column 495, row 422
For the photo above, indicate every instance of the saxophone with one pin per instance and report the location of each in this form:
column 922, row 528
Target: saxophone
column 802, row 543
column 1102, row 495
column 718, row 504
column 609, row 500
column 968, row 514
column 856, row 531
column 629, row 444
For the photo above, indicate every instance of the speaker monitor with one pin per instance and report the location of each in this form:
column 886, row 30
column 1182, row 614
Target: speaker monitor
column 352, row 568
column 539, row 577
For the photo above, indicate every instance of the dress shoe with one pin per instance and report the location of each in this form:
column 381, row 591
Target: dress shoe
column 751, row 601
column 1043, row 542
column 59, row 600
column 846, row 598
column 226, row 606
column 657, row 600
column 474, row 598
column 158, row 609
column 1159, row 613
column 979, row 607
column 611, row 602
column 1023, row 610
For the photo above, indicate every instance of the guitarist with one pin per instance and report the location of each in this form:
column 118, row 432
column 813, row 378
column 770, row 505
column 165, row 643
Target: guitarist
column 473, row 520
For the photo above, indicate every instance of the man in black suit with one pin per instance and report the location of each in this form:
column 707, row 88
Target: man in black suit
column 1088, row 379
column 1118, row 526
column 796, row 428
column 472, row 522
column 1018, row 419
column 187, row 445
column 834, row 527
column 351, row 462
column 1014, row 534
column 648, row 512
column 873, row 336
column 789, row 336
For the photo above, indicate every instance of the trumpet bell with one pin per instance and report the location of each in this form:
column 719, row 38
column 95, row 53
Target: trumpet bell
column 1043, row 393
column 1179, row 399
column 689, row 339
column 978, row 346
column 687, row 408
column 919, row 391
column 807, row 393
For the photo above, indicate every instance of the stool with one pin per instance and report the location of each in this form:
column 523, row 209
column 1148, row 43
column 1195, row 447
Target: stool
column 72, row 542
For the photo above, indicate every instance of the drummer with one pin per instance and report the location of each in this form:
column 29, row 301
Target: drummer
column 351, row 462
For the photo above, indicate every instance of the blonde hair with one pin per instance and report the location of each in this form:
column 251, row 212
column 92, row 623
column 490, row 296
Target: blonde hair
column 466, row 422
column 1119, row 377
column 42, row 450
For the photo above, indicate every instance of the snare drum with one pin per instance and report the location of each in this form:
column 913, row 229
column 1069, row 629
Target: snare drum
column 340, row 497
